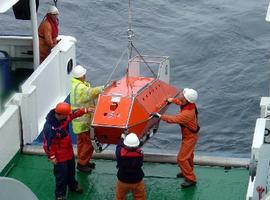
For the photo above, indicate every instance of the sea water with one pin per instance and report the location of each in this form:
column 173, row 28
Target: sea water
column 220, row 48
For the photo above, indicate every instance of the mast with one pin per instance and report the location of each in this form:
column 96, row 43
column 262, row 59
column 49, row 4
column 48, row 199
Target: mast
column 34, row 33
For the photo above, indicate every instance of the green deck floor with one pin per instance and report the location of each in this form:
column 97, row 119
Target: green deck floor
column 213, row 182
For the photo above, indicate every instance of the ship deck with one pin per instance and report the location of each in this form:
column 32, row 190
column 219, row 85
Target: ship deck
column 213, row 182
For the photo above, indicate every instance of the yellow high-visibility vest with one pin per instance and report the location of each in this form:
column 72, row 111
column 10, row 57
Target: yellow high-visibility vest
column 82, row 95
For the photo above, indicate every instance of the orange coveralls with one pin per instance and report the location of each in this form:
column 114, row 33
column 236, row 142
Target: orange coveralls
column 46, row 39
column 187, row 120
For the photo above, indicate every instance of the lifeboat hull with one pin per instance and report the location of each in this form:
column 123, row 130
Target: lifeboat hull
column 127, row 106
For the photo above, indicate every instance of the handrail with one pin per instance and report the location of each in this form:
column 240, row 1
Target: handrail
column 202, row 160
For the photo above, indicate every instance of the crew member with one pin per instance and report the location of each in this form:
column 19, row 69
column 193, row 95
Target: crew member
column 48, row 32
column 58, row 146
column 130, row 175
column 188, row 120
column 83, row 95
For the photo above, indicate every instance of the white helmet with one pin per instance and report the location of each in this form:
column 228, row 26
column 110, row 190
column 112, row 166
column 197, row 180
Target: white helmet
column 53, row 10
column 190, row 95
column 131, row 140
column 78, row 71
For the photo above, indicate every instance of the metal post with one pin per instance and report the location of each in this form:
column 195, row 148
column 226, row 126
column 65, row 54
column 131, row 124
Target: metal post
column 34, row 33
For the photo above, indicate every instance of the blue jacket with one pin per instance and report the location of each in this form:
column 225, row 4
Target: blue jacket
column 56, row 138
column 129, row 164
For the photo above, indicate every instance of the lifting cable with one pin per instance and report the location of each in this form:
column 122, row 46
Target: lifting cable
column 116, row 66
column 55, row 3
column 129, row 51
column 131, row 35
column 144, row 60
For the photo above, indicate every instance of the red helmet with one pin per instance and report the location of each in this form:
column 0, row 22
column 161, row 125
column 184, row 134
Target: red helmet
column 63, row 108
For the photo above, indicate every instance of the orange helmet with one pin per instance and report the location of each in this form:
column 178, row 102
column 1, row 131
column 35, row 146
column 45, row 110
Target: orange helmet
column 63, row 108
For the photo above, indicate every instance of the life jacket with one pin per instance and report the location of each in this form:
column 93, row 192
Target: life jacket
column 131, row 153
column 82, row 95
column 57, row 143
column 54, row 25
column 129, row 164
column 191, row 106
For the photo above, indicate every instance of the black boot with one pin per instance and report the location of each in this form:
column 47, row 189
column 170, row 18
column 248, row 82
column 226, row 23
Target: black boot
column 180, row 175
column 83, row 168
column 60, row 198
column 77, row 190
column 92, row 165
column 187, row 184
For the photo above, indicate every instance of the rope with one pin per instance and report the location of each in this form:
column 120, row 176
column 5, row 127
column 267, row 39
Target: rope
column 130, row 31
column 144, row 61
column 106, row 146
column 129, row 15
column 148, row 119
column 143, row 121
column 116, row 66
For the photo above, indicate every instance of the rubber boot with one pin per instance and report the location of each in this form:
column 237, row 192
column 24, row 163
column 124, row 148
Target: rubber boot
column 83, row 168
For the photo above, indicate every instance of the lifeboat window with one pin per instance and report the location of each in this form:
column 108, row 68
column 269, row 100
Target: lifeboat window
column 143, row 99
column 149, row 92
column 105, row 114
column 113, row 106
column 146, row 96
column 69, row 66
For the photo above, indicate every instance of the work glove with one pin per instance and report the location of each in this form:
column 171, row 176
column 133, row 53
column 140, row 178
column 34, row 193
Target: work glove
column 170, row 100
column 123, row 136
column 155, row 114
column 89, row 110
column 53, row 160
column 113, row 83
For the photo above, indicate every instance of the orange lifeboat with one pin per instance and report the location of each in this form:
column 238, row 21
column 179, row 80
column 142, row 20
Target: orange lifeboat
column 126, row 106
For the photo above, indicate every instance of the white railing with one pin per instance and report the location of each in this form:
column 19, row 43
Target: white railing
column 47, row 85
column 260, row 159
column 9, row 134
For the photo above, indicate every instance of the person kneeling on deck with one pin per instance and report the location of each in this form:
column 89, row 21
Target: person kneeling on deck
column 48, row 32
column 130, row 175
column 83, row 95
column 58, row 146
column 188, row 121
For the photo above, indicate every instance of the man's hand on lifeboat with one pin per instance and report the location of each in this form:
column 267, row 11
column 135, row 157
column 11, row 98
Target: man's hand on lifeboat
column 89, row 110
column 123, row 136
column 170, row 100
column 155, row 114
column 53, row 160
column 113, row 83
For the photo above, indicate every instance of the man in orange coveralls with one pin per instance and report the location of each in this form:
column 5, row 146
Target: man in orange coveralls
column 187, row 119
column 48, row 32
